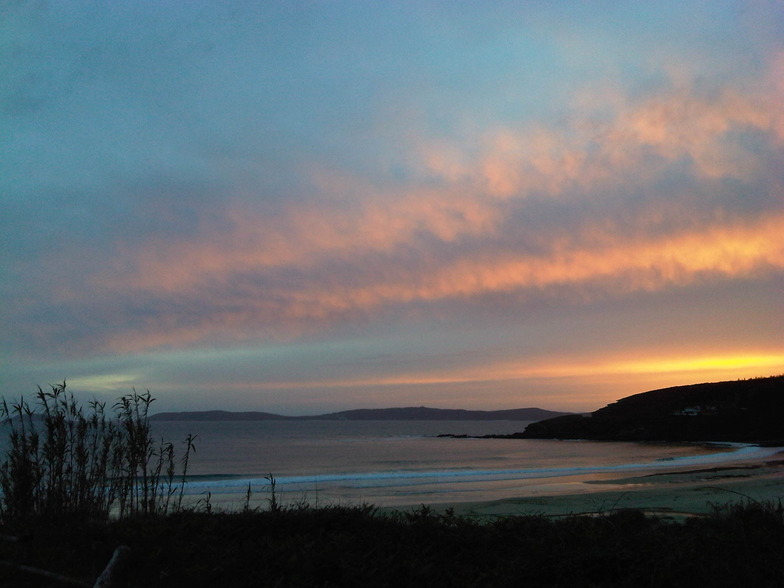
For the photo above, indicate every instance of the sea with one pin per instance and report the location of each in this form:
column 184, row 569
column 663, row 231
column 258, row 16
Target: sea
column 407, row 463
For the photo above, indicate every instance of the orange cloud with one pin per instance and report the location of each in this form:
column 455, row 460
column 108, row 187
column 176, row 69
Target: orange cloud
column 456, row 234
column 302, row 237
column 606, row 265
column 630, row 265
column 608, row 138
column 354, row 214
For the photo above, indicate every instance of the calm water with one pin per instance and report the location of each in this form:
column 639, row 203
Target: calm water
column 397, row 463
column 393, row 463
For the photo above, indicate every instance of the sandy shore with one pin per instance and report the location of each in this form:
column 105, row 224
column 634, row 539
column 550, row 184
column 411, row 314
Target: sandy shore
column 668, row 492
column 675, row 494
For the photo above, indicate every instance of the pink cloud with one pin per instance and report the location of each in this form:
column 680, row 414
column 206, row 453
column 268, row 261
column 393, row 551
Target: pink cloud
column 360, row 248
column 602, row 264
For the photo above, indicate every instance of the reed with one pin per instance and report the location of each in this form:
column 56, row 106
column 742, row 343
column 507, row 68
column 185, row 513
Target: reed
column 64, row 461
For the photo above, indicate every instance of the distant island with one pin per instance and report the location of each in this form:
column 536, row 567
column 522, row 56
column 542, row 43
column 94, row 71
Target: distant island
column 749, row 411
column 418, row 413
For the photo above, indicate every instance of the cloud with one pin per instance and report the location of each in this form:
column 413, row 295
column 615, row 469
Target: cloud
column 675, row 188
column 233, row 294
column 273, row 175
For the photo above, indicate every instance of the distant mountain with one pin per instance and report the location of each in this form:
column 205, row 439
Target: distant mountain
column 423, row 413
column 217, row 415
column 743, row 411
column 419, row 413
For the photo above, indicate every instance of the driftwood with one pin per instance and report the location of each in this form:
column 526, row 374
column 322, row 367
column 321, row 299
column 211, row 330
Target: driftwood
column 112, row 574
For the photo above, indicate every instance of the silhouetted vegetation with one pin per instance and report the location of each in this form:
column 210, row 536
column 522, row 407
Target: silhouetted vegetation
column 355, row 546
column 67, row 463
column 744, row 411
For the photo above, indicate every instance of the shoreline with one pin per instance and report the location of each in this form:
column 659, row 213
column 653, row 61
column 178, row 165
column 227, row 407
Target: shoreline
column 676, row 494
column 678, row 491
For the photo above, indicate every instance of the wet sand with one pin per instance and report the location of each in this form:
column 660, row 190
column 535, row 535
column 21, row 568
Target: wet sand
column 675, row 494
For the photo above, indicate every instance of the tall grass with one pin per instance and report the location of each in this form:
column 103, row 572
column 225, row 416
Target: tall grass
column 64, row 461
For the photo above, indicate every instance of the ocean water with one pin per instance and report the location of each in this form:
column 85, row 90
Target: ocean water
column 396, row 463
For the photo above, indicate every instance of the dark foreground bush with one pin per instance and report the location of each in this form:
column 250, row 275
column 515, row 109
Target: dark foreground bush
column 345, row 546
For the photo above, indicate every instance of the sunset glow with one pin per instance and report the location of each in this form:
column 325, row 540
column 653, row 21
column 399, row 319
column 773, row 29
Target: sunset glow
column 744, row 366
column 301, row 208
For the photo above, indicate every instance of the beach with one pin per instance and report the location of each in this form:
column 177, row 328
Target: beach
column 403, row 465
column 677, row 494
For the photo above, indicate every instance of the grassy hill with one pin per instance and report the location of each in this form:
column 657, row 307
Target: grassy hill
column 743, row 411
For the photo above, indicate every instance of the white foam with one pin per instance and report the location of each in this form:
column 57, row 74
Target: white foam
column 406, row 478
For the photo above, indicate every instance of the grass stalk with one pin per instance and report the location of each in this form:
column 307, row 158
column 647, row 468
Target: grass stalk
column 65, row 462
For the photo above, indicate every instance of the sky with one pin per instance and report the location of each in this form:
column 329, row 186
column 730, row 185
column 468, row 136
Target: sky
column 302, row 207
